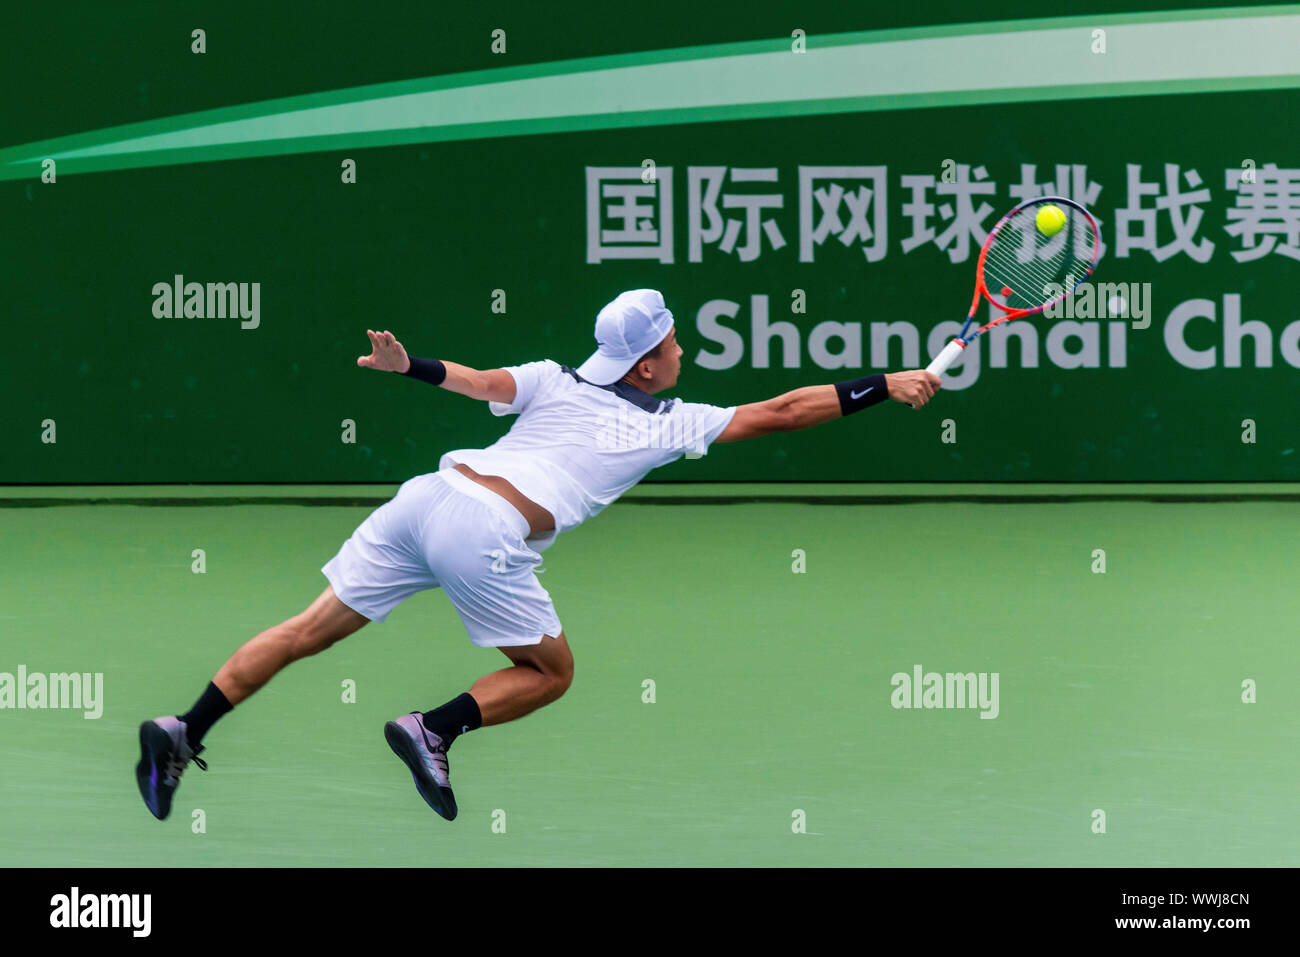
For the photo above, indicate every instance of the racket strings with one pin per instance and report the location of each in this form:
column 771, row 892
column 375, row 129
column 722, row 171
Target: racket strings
column 1037, row 268
column 1028, row 275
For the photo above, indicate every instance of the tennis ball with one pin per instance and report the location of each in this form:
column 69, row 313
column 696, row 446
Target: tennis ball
column 1050, row 219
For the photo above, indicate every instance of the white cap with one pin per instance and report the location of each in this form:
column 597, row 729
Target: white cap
column 626, row 329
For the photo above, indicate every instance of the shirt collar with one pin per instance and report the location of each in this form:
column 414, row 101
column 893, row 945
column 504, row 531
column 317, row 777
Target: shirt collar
column 641, row 399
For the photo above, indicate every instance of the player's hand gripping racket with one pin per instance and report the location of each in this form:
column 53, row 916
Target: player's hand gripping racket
column 1035, row 256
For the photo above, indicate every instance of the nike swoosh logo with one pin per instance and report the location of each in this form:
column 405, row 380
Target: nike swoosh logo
column 858, row 395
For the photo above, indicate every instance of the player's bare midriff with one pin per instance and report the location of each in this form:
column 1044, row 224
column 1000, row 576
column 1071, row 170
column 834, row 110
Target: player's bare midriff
column 539, row 519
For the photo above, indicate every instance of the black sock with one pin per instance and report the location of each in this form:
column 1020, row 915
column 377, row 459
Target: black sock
column 212, row 704
column 454, row 718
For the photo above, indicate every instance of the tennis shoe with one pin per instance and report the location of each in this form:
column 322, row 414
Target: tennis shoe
column 425, row 754
column 164, row 754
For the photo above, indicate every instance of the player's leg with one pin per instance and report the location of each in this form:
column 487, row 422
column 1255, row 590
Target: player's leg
column 170, row 742
column 541, row 673
column 310, row 632
column 478, row 552
column 378, row 568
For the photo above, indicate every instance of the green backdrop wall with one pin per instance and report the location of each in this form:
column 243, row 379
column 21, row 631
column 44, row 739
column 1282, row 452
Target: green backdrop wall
column 871, row 205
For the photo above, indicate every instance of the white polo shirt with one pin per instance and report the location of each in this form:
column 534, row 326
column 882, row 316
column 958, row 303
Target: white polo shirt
column 577, row 447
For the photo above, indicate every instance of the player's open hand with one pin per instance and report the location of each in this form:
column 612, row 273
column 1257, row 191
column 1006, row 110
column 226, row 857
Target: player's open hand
column 387, row 354
column 915, row 388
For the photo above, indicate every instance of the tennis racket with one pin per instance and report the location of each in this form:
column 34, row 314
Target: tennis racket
column 1027, row 266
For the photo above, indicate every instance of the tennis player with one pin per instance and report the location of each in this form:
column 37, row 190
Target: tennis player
column 476, row 527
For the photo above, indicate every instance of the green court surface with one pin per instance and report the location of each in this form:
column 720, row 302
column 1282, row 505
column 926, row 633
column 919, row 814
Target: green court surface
column 1118, row 691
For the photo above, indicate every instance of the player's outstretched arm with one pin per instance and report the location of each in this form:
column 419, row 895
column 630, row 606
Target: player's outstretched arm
column 388, row 355
column 815, row 404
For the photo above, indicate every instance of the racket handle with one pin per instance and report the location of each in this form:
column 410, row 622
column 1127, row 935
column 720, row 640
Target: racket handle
column 946, row 358
column 939, row 365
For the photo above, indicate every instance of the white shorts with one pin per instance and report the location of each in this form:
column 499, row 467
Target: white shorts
column 444, row 531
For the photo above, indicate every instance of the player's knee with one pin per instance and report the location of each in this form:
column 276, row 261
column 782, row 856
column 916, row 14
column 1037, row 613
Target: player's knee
column 324, row 622
column 562, row 676
column 562, row 680
column 557, row 665
column 555, row 690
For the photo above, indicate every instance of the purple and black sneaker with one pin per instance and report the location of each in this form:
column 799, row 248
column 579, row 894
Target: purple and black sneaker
column 425, row 753
column 164, row 753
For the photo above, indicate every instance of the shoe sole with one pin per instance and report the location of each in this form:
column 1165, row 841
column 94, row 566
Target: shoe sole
column 435, row 795
column 153, row 741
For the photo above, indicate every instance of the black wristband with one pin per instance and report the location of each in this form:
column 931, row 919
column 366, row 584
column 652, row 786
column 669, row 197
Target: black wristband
column 431, row 371
column 860, row 394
